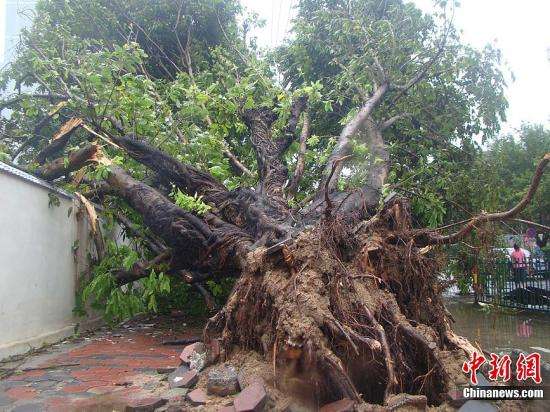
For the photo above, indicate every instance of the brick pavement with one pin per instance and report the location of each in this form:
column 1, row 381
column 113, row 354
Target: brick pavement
column 107, row 371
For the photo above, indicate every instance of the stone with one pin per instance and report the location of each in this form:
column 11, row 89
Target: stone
column 144, row 405
column 197, row 360
column 222, row 381
column 343, row 405
column 175, row 393
column 197, row 397
column 252, row 399
column 229, row 408
column 189, row 349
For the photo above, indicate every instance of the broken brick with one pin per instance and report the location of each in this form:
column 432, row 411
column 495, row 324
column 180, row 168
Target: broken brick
column 197, row 397
column 222, row 381
column 252, row 399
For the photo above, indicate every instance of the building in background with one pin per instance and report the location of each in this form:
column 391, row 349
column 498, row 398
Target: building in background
column 14, row 16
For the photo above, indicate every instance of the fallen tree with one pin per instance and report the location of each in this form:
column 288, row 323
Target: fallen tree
column 337, row 287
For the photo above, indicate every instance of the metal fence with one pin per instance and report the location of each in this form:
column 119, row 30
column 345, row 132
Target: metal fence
column 526, row 286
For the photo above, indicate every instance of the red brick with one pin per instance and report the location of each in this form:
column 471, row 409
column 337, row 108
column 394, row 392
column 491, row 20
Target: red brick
column 197, row 397
column 21, row 393
column 252, row 399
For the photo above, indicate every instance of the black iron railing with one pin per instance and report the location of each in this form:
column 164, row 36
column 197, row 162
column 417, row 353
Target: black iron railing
column 524, row 286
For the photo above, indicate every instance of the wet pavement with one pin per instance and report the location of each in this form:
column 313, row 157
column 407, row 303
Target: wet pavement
column 501, row 330
column 108, row 371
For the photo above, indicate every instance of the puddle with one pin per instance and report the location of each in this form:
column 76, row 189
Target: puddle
column 500, row 332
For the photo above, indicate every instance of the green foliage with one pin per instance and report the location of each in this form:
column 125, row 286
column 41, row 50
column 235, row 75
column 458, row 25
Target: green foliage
column 121, row 302
column 189, row 203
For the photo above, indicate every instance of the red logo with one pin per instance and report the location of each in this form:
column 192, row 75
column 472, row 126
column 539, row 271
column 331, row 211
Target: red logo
column 527, row 367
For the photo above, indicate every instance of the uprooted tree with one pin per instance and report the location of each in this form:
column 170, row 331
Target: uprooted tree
column 169, row 116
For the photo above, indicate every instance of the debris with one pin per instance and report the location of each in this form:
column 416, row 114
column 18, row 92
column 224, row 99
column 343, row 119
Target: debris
column 185, row 380
column 197, row 397
column 222, row 381
column 252, row 399
column 189, row 349
column 197, row 360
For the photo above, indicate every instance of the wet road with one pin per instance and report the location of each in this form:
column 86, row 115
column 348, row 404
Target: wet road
column 497, row 331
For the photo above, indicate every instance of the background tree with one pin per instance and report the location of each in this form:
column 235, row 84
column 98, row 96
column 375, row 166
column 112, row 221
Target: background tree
column 176, row 125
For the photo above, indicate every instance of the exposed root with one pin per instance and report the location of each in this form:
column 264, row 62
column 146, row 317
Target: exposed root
column 349, row 315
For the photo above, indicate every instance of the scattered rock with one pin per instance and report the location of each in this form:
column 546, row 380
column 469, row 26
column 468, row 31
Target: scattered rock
column 222, row 381
column 144, row 405
column 197, row 360
column 197, row 397
column 252, row 399
column 197, row 347
column 175, row 393
column 343, row 405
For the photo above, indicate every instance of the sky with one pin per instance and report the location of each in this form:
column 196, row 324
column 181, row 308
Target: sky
column 519, row 28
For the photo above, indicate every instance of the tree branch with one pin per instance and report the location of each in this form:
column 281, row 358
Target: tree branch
column 300, row 162
column 389, row 122
column 76, row 160
column 298, row 106
column 430, row 238
column 343, row 146
column 59, row 140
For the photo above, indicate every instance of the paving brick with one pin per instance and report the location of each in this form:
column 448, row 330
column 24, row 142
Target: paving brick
column 21, row 393
column 197, row 397
column 343, row 405
column 252, row 399
column 187, row 380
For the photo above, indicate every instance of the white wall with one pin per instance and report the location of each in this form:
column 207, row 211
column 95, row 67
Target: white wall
column 38, row 267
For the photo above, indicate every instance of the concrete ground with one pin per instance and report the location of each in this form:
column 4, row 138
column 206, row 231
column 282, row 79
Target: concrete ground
column 110, row 370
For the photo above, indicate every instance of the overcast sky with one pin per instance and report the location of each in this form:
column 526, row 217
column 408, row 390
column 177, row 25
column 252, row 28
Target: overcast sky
column 520, row 28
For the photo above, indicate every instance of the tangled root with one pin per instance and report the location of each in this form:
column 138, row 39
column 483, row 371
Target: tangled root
column 348, row 312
